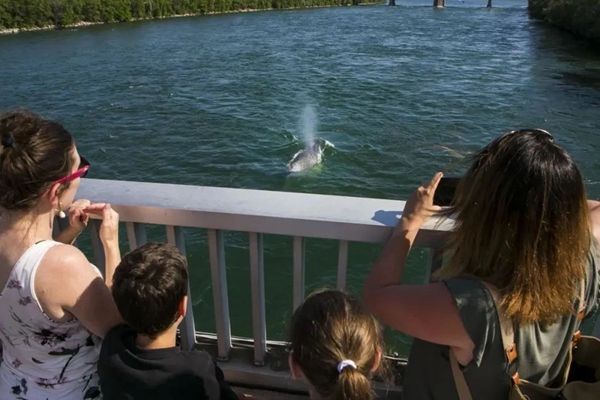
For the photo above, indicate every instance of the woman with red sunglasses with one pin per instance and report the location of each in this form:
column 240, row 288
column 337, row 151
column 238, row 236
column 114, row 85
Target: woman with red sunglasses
column 54, row 305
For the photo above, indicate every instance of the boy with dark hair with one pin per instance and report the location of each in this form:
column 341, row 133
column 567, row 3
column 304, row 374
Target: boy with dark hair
column 139, row 359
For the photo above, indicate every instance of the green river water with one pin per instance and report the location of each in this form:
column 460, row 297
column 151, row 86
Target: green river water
column 226, row 101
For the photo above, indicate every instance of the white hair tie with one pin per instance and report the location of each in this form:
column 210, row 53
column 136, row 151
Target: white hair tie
column 345, row 363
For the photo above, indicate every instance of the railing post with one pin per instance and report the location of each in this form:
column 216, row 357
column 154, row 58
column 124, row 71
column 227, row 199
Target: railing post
column 63, row 223
column 136, row 235
column 342, row 265
column 218, row 272
column 298, row 291
column 56, row 229
column 59, row 225
column 259, row 320
column 97, row 247
column 187, row 327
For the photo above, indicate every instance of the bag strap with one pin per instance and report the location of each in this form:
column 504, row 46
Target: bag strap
column 459, row 379
column 580, row 312
column 508, row 340
column 506, row 326
column 582, row 302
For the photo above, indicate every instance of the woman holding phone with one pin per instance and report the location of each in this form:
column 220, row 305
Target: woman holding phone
column 523, row 225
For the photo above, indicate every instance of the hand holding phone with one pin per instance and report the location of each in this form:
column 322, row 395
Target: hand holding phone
column 444, row 194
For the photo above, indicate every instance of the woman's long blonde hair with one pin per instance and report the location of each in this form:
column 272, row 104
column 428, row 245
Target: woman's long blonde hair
column 522, row 224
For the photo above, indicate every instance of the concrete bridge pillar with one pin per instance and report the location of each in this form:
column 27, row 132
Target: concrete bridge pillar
column 439, row 3
column 392, row 3
column 489, row 4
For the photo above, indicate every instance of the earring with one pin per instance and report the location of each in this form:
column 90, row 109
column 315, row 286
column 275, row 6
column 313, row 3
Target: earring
column 61, row 213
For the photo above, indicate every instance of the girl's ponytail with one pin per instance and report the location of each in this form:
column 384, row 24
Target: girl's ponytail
column 337, row 344
column 352, row 384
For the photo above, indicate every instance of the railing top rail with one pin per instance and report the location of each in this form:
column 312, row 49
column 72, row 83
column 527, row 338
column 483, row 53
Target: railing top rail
column 284, row 213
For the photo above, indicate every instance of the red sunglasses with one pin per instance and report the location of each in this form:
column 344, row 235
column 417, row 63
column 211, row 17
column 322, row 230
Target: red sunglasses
column 84, row 166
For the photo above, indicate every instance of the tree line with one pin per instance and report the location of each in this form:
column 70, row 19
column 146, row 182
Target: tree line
column 579, row 16
column 60, row 13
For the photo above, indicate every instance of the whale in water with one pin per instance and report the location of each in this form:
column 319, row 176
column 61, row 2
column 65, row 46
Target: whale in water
column 307, row 158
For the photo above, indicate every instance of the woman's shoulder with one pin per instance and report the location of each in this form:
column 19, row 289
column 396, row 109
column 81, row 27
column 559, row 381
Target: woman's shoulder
column 63, row 273
column 477, row 311
column 469, row 292
column 64, row 259
column 54, row 262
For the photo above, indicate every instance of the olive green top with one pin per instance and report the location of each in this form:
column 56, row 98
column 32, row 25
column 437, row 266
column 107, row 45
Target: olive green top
column 542, row 349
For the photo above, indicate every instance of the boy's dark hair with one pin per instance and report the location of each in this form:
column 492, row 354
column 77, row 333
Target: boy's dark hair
column 148, row 286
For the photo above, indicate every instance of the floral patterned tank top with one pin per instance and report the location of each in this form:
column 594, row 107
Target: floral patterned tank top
column 42, row 359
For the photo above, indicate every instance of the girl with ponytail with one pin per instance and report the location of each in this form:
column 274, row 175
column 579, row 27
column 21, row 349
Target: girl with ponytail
column 336, row 346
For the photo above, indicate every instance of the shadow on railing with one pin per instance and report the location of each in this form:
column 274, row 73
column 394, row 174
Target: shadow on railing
column 346, row 219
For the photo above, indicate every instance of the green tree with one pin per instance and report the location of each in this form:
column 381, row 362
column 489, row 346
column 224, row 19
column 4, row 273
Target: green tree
column 6, row 21
column 41, row 13
column 65, row 12
column 92, row 11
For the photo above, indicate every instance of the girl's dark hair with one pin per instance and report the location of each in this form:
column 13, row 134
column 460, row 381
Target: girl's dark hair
column 331, row 326
column 35, row 153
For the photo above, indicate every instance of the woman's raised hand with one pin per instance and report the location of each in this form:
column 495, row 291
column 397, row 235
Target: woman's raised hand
column 109, row 229
column 78, row 218
column 419, row 207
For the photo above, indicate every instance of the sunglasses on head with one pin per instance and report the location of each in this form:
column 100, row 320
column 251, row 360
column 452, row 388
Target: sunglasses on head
column 532, row 131
column 529, row 131
column 81, row 172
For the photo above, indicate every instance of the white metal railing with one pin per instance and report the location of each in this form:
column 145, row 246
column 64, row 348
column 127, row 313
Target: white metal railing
column 256, row 212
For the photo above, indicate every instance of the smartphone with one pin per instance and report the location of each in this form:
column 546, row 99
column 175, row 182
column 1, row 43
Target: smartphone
column 445, row 191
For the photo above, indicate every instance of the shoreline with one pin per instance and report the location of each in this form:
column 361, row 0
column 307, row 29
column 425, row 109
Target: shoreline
column 576, row 17
column 83, row 24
